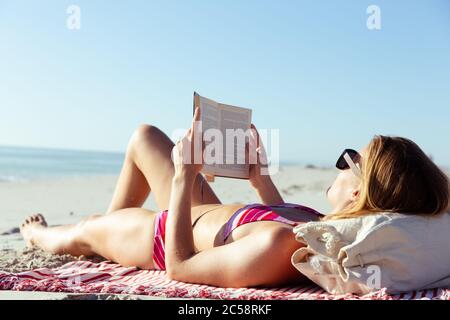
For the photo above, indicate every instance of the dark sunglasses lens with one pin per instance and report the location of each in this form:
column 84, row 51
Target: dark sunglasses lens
column 342, row 164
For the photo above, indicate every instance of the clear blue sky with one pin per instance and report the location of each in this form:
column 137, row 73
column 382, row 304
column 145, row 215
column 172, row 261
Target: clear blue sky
column 310, row 68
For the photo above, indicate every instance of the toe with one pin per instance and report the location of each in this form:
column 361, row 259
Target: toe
column 42, row 220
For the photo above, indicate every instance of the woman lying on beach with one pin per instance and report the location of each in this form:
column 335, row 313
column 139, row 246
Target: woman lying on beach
column 204, row 241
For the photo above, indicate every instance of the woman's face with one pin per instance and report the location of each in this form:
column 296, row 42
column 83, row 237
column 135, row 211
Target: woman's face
column 345, row 189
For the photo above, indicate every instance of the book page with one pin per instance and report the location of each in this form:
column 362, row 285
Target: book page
column 234, row 124
column 210, row 117
column 222, row 117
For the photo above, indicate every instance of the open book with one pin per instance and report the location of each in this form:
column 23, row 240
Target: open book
column 232, row 123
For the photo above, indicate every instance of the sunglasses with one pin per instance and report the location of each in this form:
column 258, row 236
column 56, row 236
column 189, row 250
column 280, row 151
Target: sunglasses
column 348, row 160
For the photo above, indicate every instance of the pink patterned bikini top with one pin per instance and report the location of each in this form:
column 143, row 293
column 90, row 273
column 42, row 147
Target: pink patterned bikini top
column 259, row 212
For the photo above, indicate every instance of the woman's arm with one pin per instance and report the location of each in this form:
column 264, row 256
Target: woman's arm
column 258, row 259
column 261, row 181
column 179, row 237
column 267, row 191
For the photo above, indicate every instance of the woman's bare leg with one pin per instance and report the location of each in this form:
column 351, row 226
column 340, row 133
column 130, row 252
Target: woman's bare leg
column 148, row 167
column 124, row 237
column 132, row 188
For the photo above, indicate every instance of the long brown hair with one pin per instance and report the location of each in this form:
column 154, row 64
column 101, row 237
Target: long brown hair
column 397, row 176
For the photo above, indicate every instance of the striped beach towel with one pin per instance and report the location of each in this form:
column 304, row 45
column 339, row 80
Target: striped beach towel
column 108, row 277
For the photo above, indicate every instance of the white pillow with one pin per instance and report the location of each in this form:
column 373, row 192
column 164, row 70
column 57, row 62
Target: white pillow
column 361, row 255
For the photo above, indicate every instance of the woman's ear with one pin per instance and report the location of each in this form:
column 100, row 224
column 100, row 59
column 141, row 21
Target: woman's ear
column 355, row 194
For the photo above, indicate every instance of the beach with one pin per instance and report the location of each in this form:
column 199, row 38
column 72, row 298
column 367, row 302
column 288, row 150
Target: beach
column 67, row 199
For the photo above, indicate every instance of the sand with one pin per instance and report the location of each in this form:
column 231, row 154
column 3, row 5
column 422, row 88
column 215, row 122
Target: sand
column 64, row 201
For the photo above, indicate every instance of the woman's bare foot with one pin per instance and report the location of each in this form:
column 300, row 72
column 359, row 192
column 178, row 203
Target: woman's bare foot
column 32, row 223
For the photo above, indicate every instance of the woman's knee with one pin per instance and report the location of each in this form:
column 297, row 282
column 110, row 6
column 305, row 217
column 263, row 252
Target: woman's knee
column 148, row 138
column 143, row 134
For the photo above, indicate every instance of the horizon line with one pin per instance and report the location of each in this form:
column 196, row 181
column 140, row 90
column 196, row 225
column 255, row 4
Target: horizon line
column 284, row 162
column 68, row 149
column 59, row 148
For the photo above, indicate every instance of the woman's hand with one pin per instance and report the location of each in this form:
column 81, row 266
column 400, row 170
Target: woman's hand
column 187, row 154
column 257, row 158
column 259, row 174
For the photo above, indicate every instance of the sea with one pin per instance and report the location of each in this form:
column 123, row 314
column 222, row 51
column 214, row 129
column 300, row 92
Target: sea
column 27, row 164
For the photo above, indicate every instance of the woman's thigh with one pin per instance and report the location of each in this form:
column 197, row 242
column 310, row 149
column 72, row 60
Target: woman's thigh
column 125, row 237
column 152, row 155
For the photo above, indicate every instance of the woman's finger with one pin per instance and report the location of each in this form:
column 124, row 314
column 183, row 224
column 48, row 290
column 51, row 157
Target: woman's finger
column 251, row 153
column 196, row 136
column 196, row 114
column 258, row 141
column 188, row 133
column 254, row 130
column 247, row 153
column 194, row 124
column 254, row 135
column 196, row 117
